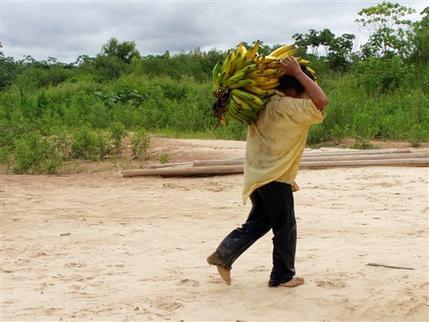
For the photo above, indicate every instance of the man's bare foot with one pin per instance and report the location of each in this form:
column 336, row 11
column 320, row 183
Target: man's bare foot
column 296, row 281
column 225, row 274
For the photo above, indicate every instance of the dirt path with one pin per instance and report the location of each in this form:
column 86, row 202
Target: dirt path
column 96, row 246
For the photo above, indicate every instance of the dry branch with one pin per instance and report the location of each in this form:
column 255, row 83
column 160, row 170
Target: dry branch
column 389, row 266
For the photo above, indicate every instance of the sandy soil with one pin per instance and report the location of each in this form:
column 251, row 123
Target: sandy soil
column 96, row 246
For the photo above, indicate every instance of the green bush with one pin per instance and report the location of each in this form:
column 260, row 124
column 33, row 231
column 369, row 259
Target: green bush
column 62, row 144
column 140, row 144
column 378, row 75
column 34, row 154
column 90, row 144
column 164, row 158
column 42, row 76
column 109, row 67
column 117, row 134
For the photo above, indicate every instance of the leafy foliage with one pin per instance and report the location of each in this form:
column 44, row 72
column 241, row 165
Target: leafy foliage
column 390, row 33
column 381, row 74
column 421, row 38
column 338, row 50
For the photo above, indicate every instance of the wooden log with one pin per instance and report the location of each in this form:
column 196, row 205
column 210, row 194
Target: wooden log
column 422, row 162
column 307, row 154
column 222, row 170
column 346, row 157
column 184, row 172
column 201, row 163
column 170, row 165
column 190, row 163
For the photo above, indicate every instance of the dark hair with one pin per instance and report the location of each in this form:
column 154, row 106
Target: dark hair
column 287, row 81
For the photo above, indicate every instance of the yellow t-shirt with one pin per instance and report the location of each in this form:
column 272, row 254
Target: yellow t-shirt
column 275, row 143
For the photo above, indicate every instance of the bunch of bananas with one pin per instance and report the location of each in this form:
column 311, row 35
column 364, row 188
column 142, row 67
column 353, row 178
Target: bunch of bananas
column 245, row 81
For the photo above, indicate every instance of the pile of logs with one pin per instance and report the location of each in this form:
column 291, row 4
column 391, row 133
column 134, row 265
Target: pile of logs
column 310, row 160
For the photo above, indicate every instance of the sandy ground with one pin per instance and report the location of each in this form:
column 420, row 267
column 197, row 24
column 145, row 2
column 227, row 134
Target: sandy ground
column 96, row 246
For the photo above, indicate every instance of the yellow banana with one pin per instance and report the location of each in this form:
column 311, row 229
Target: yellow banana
column 269, row 86
column 251, row 54
column 281, row 50
column 263, row 80
column 254, row 74
column 268, row 81
column 270, row 59
column 242, row 50
column 270, row 71
column 303, row 61
column 311, row 70
column 237, row 62
column 255, row 90
column 227, row 69
column 287, row 53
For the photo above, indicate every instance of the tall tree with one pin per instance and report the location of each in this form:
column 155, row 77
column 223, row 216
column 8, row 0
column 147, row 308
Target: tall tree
column 390, row 32
column 123, row 50
column 421, row 38
column 8, row 69
column 338, row 50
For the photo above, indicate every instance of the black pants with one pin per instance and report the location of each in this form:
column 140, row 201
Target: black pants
column 272, row 208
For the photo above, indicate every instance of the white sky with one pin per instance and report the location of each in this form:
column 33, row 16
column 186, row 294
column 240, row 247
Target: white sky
column 66, row 29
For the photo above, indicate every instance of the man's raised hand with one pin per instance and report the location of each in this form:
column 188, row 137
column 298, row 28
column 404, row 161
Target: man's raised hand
column 290, row 66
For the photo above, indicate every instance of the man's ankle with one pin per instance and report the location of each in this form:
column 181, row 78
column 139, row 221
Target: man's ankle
column 214, row 259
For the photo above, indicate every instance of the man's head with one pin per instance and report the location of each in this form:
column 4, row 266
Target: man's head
column 290, row 86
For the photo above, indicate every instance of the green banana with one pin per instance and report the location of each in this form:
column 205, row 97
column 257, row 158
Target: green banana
column 235, row 78
column 254, row 105
column 216, row 73
column 248, row 115
column 242, row 83
column 247, row 96
column 241, row 103
column 250, row 67
column 244, row 63
column 227, row 66
column 233, row 109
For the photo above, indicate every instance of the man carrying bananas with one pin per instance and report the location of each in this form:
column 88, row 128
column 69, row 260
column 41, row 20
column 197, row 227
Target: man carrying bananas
column 275, row 144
